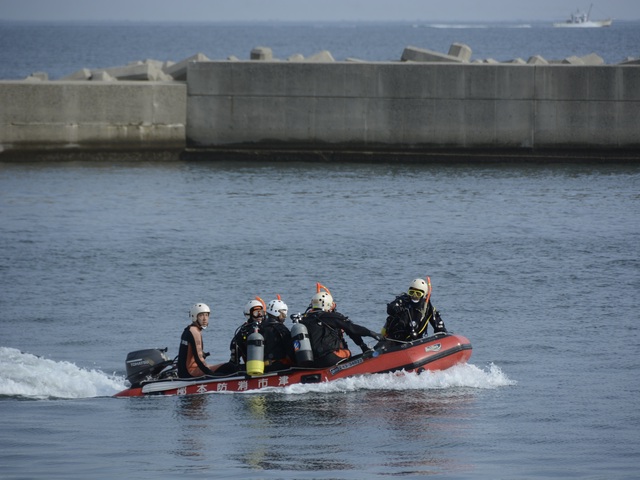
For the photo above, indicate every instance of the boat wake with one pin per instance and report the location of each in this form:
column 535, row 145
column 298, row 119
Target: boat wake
column 458, row 376
column 461, row 26
column 24, row 375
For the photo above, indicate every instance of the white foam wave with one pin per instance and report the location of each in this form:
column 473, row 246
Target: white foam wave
column 30, row 376
column 460, row 26
column 456, row 26
column 465, row 375
column 26, row 375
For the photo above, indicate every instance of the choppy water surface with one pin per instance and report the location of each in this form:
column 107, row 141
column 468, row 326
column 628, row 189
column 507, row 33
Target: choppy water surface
column 537, row 264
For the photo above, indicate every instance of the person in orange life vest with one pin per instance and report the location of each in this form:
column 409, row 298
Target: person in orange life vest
column 326, row 327
column 410, row 313
column 191, row 357
column 254, row 312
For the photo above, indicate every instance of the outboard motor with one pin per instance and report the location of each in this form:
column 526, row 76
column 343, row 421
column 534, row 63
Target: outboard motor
column 301, row 343
column 255, row 353
column 144, row 364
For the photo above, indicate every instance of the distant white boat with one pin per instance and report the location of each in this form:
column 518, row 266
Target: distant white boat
column 583, row 20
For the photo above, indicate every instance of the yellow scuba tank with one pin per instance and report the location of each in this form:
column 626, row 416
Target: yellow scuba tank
column 255, row 353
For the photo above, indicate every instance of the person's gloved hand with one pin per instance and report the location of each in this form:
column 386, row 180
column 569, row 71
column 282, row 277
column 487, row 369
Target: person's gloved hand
column 365, row 348
column 376, row 335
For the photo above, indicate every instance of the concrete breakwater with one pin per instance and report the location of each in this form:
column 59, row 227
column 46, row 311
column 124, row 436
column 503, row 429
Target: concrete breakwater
column 428, row 102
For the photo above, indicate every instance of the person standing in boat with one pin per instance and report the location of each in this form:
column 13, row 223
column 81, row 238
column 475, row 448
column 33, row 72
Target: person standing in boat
column 254, row 312
column 191, row 356
column 410, row 313
column 326, row 330
column 278, row 345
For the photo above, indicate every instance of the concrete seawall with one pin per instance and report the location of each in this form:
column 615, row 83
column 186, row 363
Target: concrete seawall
column 257, row 108
column 411, row 107
column 45, row 116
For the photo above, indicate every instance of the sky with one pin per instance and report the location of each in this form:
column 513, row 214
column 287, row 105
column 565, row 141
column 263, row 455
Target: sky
column 311, row 10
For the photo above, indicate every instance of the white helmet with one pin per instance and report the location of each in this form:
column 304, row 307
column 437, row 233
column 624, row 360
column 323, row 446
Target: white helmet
column 419, row 284
column 198, row 308
column 322, row 301
column 277, row 308
column 250, row 306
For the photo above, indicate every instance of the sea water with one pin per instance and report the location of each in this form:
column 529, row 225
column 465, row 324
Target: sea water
column 536, row 263
column 60, row 49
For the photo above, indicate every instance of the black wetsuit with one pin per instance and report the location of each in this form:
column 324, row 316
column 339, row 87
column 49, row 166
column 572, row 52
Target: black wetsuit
column 238, row 344
column 327, row 341
column 408, row 320
column 278, row 346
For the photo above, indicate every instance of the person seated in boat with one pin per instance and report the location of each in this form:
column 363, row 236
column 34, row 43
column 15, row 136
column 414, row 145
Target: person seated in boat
column 326, row 329
column 254, row 312
column 191, row 356
column 410, row 313
column 278, row 345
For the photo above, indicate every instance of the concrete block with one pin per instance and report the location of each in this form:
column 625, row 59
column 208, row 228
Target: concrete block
column 261, row 53
column 137, row 72
column 86, row 114
column 179, row 70
column 156, row 63
column 572, row 60
column 37, row 77
column 296, row 57
column 630, row 61
column 491, row 61
column 415, row 54
column 160, row 76
column 233, row 58
column 102, row 76
column 83, row 74
column 516, row 61
column 592, row 59
column 362, row 104
column 461, row 51
column 322, row 56
column 537, row 60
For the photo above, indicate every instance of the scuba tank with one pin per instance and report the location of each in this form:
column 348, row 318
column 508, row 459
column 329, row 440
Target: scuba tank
column 301, row 343
column 255, row 353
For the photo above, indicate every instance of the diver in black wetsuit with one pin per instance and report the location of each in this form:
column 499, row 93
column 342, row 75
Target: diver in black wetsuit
column 326, row 327
column 410, row 314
